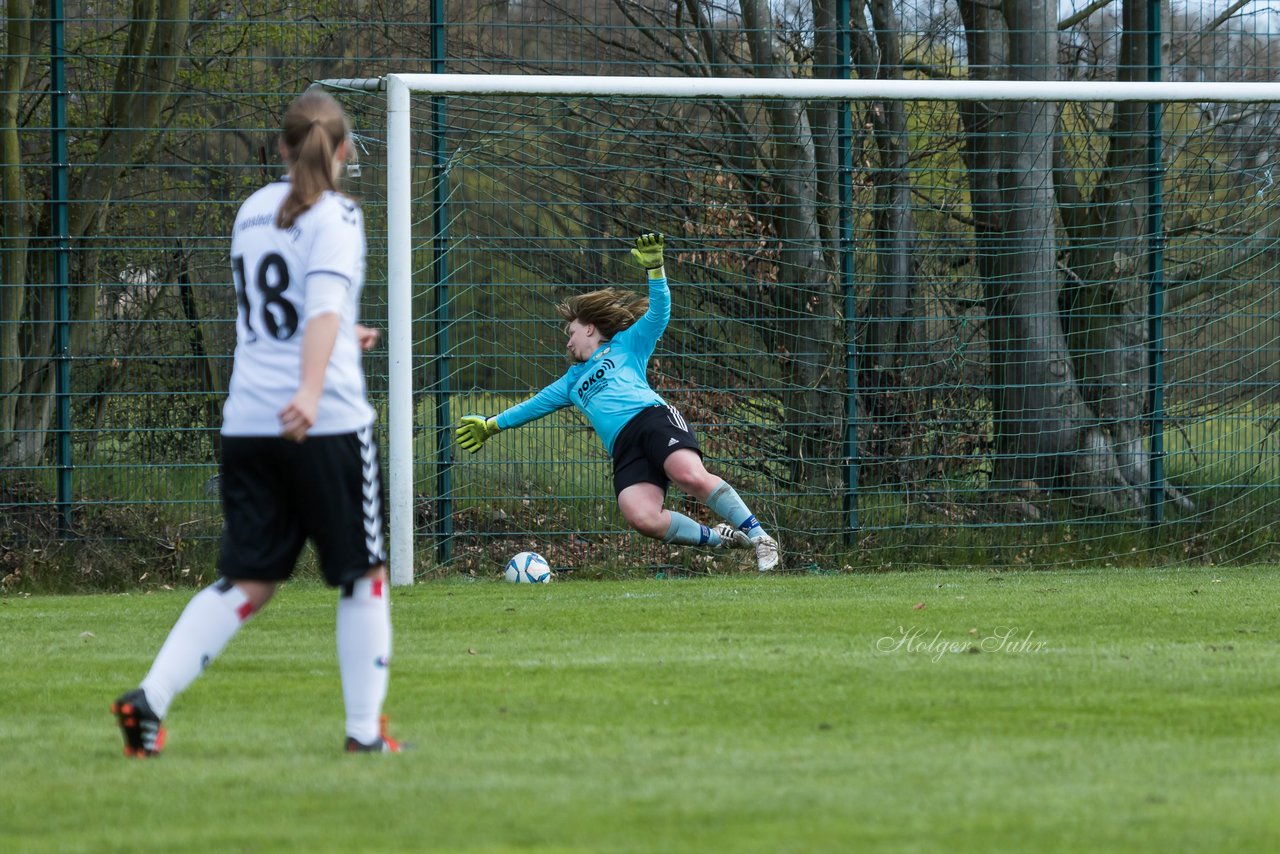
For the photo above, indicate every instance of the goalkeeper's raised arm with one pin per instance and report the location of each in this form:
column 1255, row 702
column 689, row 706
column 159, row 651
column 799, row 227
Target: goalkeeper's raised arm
column 612, row 333
column 648, row 328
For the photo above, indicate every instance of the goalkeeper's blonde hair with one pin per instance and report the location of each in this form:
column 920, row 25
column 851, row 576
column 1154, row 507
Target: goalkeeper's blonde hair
column 609, row 310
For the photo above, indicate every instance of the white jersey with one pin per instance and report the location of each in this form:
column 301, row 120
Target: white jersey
column 282, row 279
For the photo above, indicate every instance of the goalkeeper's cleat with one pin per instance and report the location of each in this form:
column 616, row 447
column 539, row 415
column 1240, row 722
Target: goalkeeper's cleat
column 143, row 734
column 767, row 553
column 731, row 537
column 382, row 744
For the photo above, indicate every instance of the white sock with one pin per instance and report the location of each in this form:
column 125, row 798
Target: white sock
column 209, row 621
column 364, row 653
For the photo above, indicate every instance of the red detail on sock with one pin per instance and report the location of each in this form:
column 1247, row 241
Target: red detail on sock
column 392, row 746
column 375, row 588
column 245, row 611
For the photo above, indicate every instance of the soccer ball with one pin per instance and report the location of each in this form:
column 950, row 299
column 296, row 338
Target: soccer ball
column 528, row 568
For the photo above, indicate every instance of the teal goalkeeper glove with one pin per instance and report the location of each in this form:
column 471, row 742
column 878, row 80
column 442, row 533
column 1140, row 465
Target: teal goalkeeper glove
column 648, row 251
column 474, row 430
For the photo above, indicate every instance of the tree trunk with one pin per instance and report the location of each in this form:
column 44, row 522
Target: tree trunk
column 13, row 221
column 212, row 387
column 804, row 298
column 892, row 341
column 893, row 337
column 1035, row 405
column 1106, row 304
column 1048, row 434
column 156, row 43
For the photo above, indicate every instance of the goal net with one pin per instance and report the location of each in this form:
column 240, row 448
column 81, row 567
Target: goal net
column 913, row 323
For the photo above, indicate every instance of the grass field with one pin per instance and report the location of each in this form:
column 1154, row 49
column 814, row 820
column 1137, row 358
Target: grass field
column 949, row 711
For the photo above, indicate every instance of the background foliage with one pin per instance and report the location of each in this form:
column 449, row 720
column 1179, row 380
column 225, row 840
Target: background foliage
column 981, row 437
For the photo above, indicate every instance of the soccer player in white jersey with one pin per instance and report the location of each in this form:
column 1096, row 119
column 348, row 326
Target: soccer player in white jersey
column 299, row 460
column 612, row 334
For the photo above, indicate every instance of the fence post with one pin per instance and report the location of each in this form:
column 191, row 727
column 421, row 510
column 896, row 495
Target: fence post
column 440, row 288
column 61, row 261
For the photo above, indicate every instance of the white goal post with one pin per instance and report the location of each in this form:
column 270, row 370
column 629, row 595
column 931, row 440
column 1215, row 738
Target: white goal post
column 400, row 88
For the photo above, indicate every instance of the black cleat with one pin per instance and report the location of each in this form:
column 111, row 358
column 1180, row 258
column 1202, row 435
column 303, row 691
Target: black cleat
column 382, row 744
column 143, row 734
column 731, row 537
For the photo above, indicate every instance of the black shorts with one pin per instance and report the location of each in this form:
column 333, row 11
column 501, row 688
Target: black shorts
column 644, row 445
column 277, row 493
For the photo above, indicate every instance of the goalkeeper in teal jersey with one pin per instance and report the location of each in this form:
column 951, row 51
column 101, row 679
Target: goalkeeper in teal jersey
column 612, row 333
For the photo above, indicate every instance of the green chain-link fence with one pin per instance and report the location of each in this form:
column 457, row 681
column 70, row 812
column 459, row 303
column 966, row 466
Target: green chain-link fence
column 917, row 388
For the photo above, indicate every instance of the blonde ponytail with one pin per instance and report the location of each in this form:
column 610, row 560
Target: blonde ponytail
column 313, row 128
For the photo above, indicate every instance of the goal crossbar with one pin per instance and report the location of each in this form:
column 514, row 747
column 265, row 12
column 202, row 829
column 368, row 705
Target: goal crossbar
column 1167, row 91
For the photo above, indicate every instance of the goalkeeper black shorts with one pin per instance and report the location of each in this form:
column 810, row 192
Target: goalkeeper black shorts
column 277, row 494
column 644, row 445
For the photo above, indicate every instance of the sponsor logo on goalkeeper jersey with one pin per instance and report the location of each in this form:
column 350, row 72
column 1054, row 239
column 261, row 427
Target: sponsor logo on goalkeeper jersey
column 594, row 381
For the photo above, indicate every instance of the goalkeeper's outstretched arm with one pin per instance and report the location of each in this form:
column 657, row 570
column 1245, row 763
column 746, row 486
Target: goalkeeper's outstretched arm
column 474, row 430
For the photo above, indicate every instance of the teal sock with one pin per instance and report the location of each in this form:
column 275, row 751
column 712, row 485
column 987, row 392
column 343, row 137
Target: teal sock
column 726, row 502
column 683, row 531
